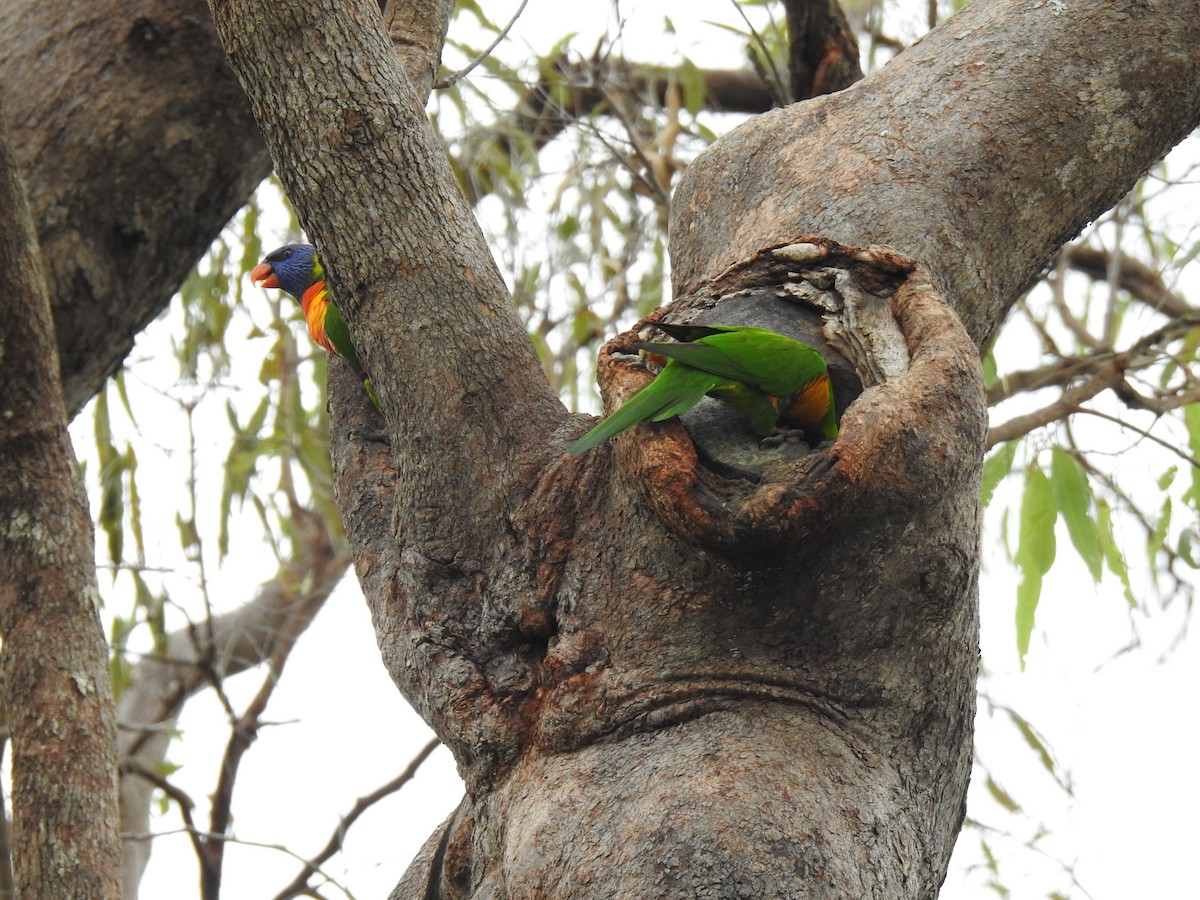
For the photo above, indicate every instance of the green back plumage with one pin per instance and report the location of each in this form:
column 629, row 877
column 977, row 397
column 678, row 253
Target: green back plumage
column 771, row 362
column 339, row 335
column 757, row 371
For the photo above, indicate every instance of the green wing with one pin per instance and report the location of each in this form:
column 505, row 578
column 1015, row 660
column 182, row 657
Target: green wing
column 339, row 336
column 772, row 362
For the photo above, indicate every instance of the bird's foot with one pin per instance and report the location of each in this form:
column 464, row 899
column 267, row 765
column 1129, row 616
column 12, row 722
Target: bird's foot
column 781, row 436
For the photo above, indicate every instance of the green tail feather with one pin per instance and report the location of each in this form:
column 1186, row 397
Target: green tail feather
column 675, row 390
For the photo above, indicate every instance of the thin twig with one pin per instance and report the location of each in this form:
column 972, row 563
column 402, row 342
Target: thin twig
column 213, row 837
column 781, row 90
column 1190, row 460
column 245, row 731
column 300, row 883
column 462, row 73
column 185, row 803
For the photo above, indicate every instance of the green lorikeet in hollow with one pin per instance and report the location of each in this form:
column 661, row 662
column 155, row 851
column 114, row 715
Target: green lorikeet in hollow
column 768, row 377
column 295, row 270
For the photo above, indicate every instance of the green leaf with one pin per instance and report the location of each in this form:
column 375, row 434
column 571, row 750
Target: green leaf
column 1162, row 527
column 1001, row 796
column 1112, row 553
column 189, row 538
column 1167, row 478
column 111, row 515
column 691, row 80
column 989, row 366
column 123, row 393
column 1191, row 418
column 996, row 468
column 135, row 504
column 1035, row 551
column 1180, row 262
column 1073, row 496
column 1185, row 549
column 119, row 669
column 112, row 510
column 1036, row 744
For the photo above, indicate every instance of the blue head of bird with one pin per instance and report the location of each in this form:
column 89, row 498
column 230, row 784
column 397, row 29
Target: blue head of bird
column 292, row 268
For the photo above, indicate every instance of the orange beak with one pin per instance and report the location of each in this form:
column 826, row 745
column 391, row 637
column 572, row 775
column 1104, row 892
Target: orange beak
column 263, row 275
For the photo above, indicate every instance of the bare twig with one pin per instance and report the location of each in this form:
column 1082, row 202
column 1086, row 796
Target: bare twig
column 245, row 731
column 1167, row 445
column 452, row 80
column 299, row 885
column 213, row 837
column 240, row 639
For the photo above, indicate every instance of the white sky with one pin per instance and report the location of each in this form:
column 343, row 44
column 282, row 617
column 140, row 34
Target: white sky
column 1125, row 726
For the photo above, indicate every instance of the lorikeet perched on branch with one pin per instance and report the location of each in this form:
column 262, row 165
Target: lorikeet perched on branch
column 295, row 270
column 766, row 376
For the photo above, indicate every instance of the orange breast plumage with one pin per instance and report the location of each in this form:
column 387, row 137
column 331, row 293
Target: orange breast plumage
column 315, row 304
column 809, row 406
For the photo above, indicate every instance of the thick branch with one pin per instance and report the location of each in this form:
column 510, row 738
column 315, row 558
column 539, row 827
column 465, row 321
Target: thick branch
column 138, row 146
column 55, row 656
column 418, row 30
column 466, row 403
column 800, row 504
column 1143, row 283
column 822, row 49
column 977, row 151
column 468, row 378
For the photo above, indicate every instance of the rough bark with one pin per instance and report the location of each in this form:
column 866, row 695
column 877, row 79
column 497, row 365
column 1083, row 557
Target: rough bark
column 661, row 677
column 822, row 49
column 55, row 656
column 137, row 145
column 979, row 150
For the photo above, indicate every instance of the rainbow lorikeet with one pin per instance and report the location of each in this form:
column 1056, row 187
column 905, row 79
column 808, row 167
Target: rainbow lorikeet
column 767, row 376
column 295, row 269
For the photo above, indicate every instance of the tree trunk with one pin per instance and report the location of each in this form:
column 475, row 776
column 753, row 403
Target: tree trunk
column 663, row 674
column 55, row 656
